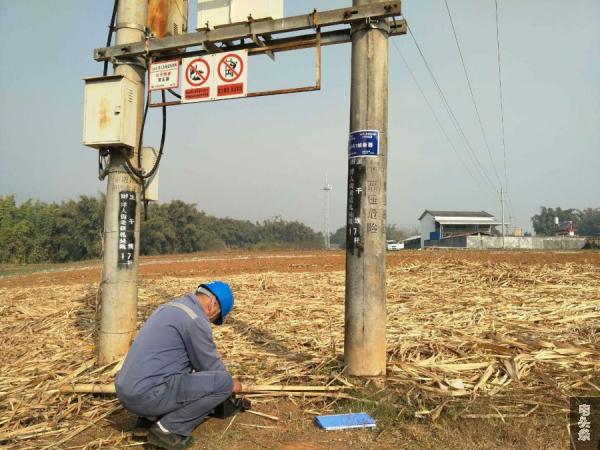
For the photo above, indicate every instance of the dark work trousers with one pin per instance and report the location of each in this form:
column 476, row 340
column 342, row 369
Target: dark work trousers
column 182, row 401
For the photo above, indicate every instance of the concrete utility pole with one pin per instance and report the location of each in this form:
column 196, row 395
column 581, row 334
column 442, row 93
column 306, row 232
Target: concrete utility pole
column 365, row 318
column 118, row 323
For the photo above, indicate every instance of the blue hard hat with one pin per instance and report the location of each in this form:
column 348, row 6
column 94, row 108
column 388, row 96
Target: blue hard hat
column 223, row 294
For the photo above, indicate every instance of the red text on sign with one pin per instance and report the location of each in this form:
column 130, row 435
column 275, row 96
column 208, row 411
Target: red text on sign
column 197, row 93
column 230, row 89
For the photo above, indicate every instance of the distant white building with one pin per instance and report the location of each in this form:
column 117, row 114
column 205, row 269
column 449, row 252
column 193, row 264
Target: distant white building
column 436, row 225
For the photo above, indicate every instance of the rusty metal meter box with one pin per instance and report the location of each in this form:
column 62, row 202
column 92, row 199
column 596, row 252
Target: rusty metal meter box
column 167, row 17
column 109, row 112
column 213, row 13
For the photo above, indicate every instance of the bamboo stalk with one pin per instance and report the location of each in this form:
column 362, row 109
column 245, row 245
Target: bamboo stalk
column 270, row 388
column 90, row 388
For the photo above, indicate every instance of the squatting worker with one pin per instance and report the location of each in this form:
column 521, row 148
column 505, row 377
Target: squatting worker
column 173, row 375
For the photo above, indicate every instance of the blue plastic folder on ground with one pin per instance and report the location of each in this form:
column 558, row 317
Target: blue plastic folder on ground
column 344, row 421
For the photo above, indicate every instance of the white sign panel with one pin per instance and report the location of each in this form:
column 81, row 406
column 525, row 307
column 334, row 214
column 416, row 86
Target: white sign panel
column 197, row 81
column 163, row 75
column 232, row 74
column 214, row 77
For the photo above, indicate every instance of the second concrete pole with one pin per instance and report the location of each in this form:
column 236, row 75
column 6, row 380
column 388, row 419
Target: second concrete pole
column 365, row 313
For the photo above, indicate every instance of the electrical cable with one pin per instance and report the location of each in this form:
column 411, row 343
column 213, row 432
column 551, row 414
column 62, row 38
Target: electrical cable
column 485, row 139
column 162, row 140
column 142, row 181
column 103, row 155
column 174, row 93
column 137, row 173
column 141, row 141
column 439, row 123
column 111, row 28
column 454, row 120
column 103, row 152
column 160, row 153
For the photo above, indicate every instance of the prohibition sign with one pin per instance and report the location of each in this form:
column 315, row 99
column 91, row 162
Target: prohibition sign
column 230, row 67
column 194, row 76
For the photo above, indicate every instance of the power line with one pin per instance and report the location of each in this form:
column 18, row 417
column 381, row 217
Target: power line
column 501, row 96
column 485, row 140
column 439, row 123
column 453, row 118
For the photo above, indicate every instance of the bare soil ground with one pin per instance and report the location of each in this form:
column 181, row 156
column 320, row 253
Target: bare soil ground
column 484, row 349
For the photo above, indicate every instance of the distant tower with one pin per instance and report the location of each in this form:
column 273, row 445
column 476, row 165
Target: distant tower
column 326, row 191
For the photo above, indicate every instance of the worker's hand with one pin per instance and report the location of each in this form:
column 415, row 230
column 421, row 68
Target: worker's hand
column 237, row 386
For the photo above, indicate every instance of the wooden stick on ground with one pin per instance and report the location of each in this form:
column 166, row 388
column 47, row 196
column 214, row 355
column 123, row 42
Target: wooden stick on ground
column 89, row 388
column 228, row 426
column 257, row 413
column 270, row 388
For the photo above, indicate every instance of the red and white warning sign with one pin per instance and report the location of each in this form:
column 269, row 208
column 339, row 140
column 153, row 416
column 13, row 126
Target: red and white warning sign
column 214, row 77
column 232, row 74
column 197, row 82
column 163, row 75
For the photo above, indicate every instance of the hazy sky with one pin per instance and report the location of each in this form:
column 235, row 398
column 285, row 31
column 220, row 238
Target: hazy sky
column 264, row 157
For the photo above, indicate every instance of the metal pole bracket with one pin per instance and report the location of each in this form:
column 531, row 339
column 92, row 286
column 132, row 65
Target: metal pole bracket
column 372, row 24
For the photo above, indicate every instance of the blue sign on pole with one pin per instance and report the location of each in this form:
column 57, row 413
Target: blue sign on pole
column 363, row 143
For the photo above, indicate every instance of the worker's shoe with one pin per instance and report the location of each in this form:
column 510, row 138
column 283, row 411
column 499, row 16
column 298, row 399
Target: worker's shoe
column 144, row 423
column 166, row 440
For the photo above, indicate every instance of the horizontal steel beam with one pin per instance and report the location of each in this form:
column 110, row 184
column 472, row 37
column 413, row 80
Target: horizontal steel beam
column 253, row 28
column 290, row 43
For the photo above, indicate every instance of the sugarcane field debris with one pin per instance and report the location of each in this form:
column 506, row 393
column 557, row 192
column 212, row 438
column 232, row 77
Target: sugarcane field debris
column 477, row 339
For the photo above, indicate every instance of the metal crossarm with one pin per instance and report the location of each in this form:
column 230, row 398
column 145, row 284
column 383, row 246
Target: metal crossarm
column 224, row 35
column 397, row 28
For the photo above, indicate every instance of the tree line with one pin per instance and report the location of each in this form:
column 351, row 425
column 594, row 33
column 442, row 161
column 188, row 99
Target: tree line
column 37, row 232
column 392, row 232
column 586, row 221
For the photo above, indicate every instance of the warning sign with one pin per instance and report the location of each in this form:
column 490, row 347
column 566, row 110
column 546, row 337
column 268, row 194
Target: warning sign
column 214, row 77
column 198, row 85
column 232, row 74
column 197, row 72
column 163, row 75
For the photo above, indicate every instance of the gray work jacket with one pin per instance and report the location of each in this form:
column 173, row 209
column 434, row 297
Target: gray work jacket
column 169, row 343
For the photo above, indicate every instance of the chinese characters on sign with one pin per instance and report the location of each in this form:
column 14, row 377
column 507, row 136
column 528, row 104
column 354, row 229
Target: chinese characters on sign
column 127, row 211
column 363, row 143
column 365, row 218
column 163, row 75
column 356, row 174
column 584, row 421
